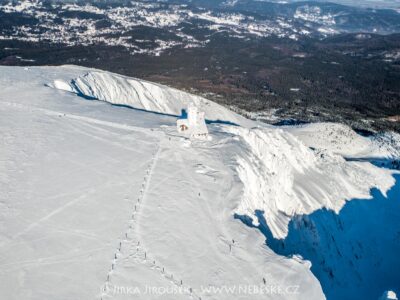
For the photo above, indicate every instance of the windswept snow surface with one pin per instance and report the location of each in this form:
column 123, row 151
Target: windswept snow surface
column 342, row 140
column 284, row 178
column 101, row 201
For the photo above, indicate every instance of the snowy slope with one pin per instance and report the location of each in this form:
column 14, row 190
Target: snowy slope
column 101, row 201
column 283, row 178
column 142, row 94
column 72, row 173
column 342, row 140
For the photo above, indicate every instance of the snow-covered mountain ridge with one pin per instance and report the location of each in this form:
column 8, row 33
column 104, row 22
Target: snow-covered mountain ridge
column 86, row 185
column 140, row 94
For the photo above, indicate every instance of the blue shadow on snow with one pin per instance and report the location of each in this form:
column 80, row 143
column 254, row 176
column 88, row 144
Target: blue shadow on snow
column 355, row 254
column 182, row 116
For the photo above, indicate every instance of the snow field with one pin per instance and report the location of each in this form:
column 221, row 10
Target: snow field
column 96, row 197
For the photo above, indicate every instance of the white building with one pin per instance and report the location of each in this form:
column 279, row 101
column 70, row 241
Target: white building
column 195, row 124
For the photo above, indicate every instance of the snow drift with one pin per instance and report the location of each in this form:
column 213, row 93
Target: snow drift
column 341, row 139
column 283, row 178
column 145, row 95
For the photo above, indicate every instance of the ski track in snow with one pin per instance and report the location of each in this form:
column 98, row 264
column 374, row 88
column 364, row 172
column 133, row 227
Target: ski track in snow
column 127, row 236
column 53, row 213
column 79, row 118
column 130, row 239
column 130, row 236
